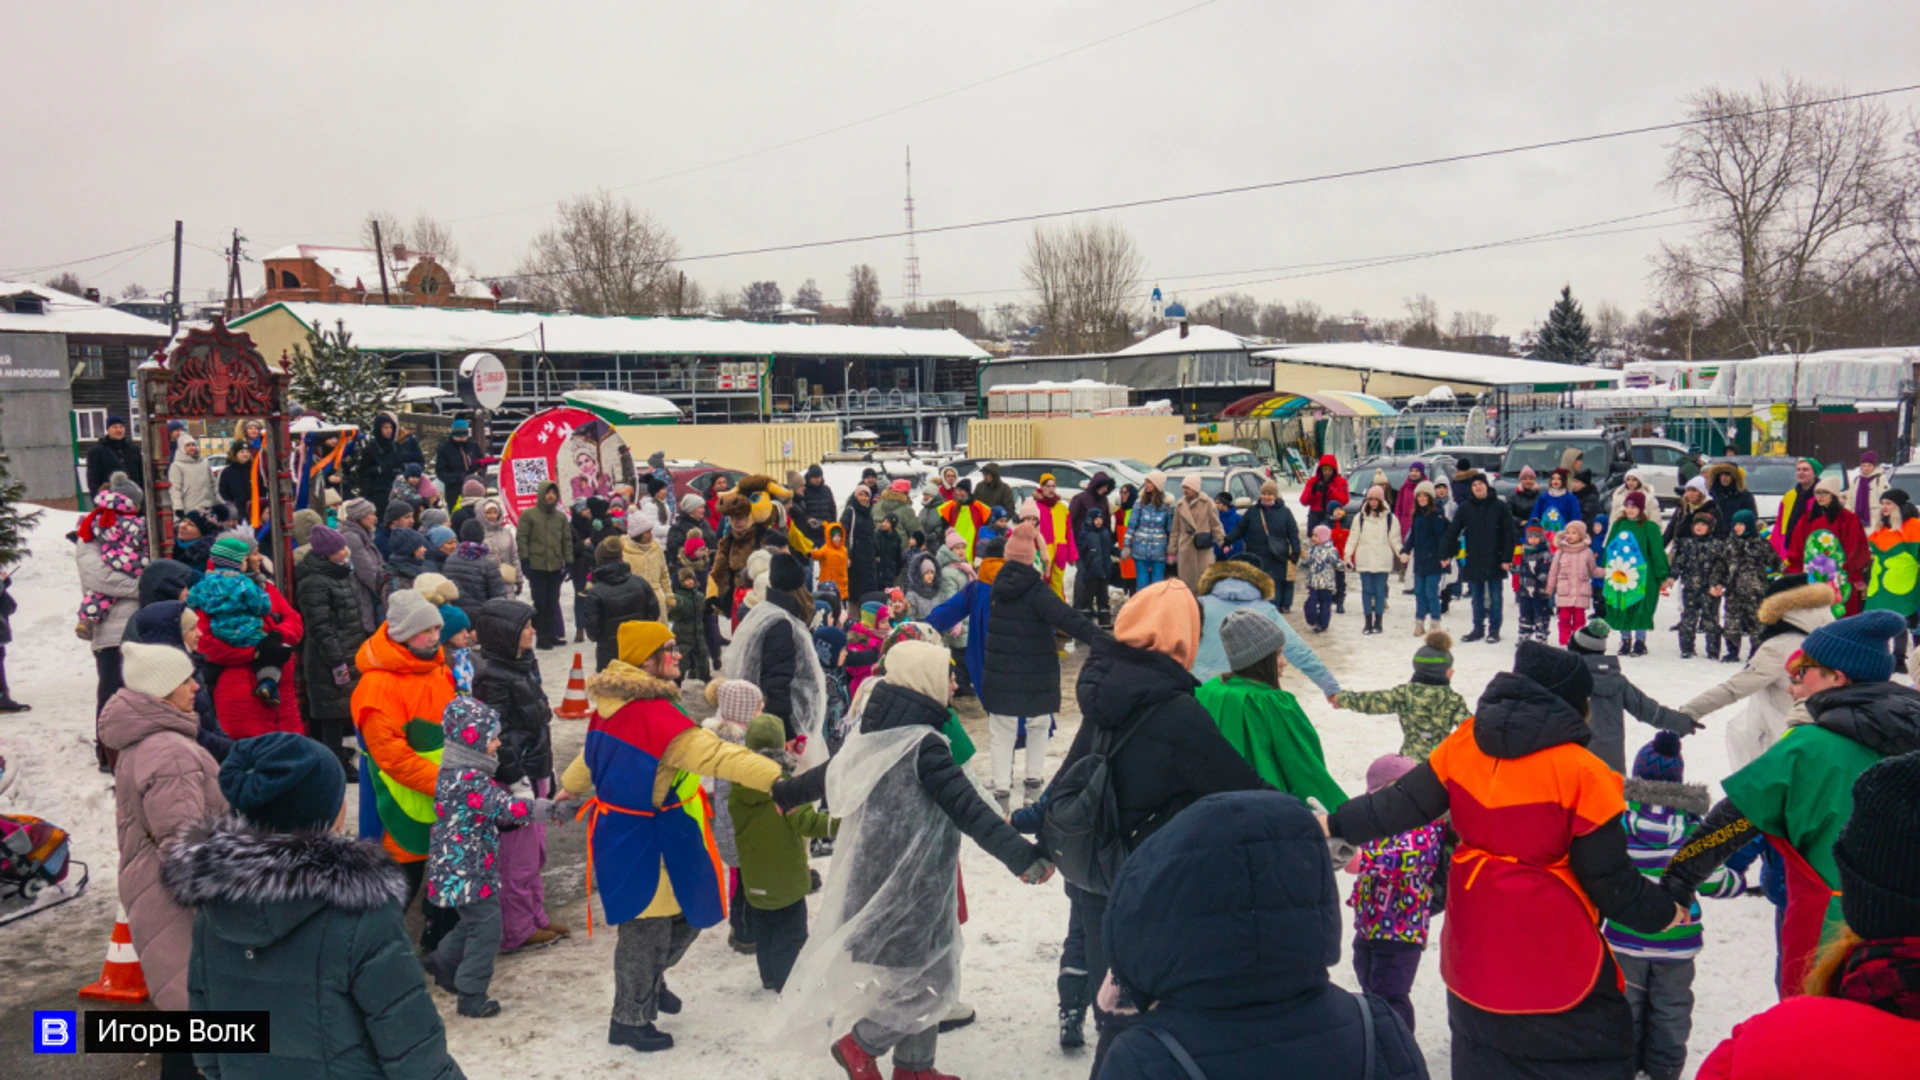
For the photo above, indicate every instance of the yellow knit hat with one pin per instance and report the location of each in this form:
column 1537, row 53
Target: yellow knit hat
column 640, row 640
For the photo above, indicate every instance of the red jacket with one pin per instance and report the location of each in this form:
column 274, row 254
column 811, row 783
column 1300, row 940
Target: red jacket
column 241, row 714
column 1846, row 528
column 1315, row 497
column 1816, row 1038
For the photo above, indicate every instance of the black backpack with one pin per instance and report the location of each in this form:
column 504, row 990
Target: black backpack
column 1080, row 825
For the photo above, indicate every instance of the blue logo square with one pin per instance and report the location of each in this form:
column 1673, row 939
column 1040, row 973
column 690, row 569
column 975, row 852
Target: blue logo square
column 56, row 1031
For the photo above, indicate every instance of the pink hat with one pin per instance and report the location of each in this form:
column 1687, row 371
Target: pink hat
column 1023, row 543
column 1637, row 500
column 1386, row 769
column 901, row 486
column 1322, row 534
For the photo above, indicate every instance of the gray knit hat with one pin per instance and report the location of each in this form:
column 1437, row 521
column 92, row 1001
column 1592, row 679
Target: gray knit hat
column 356, row 509
column 410, row 613
column 1435, row 654
column 1249, row 637
column 1591, row 638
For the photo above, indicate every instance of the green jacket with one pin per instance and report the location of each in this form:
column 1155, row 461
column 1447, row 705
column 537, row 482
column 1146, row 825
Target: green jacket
column 307, row 927
column 892, row 504
column 545, row 535
column 1428, row 713
column 772, row 845
column 1264, row 723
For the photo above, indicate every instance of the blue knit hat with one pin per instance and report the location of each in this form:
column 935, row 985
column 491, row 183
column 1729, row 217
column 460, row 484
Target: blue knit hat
column 1858, row 646
column 404, row 542
column 1661, row 760
column 439, row 535
column 461, row 427
column 283, row 782
column 452, row 622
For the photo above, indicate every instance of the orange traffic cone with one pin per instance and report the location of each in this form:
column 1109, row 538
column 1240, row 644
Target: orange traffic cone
column 120, row 978
column 574, row 706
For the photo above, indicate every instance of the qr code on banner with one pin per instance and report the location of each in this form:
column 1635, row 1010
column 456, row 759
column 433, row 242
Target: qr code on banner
column 528, row 475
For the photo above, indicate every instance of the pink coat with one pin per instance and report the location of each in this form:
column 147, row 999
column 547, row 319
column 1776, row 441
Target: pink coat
column 162, row 780
column 1570, row 578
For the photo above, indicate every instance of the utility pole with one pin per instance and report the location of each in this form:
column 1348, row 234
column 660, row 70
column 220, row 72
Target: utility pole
column 173, row 304
column 236, row 295
column 380, row 253
column 536, row 367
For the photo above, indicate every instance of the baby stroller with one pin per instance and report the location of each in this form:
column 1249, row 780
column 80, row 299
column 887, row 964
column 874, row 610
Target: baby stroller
column 34, row 862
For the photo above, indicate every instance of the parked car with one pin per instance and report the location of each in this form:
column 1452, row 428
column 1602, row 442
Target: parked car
column 1124, row 470
column 1211, row 457
column 1488, row 459
column 1658, row 460
column 1075, row 473
column 1606, row 451
column 1396, row 466
column 1769, row 478
column 1243, row 484
column 697, row 477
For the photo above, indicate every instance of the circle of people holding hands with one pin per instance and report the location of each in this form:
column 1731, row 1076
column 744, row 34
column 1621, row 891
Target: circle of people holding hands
column 1193, row 818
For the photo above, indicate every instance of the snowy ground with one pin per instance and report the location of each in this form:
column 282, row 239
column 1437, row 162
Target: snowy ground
column 556, row 1000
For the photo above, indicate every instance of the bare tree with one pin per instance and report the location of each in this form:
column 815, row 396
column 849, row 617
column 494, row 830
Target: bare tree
column 1793, row 195
column 763, row 301
column 135, row 291
column 1010, row 319
column 1085, row 275
column 391, row 230
column 602, row 257
column 863, row 295
column 68, row 282
column 1470, row 326
column 1609, row 325
column 808, row 295
column 433, row 237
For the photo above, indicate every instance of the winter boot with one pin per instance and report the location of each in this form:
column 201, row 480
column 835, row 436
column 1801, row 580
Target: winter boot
column 1475, row 634
column 668, row 1001
column 8, row 705
column 858, row 1063
column 1626, row 645
column 646, row 1038
column 1073, row 1022
column 959, row 1015
column 1420, row 627
column 1640, row 647
column 1713, row 646
column 441, row 979
column 1031, row 790
column 1004, row 800
column 1686, row 645
column 478, row 1006
column 579, row 634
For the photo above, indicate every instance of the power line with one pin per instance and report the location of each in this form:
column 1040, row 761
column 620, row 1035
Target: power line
column 90, row 258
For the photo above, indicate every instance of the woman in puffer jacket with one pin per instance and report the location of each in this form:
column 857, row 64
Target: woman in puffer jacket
column 1373, row 550
column 473, row 568
column 503, row 541
column 1148, row 528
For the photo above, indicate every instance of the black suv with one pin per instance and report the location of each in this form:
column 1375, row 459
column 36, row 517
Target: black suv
column 1608, row 452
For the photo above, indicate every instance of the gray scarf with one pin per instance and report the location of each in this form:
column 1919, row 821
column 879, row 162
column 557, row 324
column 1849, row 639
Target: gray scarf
column 458, row 756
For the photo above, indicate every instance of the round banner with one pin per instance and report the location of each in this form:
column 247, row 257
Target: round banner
column 571, row 446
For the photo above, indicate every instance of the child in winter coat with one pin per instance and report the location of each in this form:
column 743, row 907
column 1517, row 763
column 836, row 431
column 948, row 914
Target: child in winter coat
column 735, row 703
column 462, row 870
column 832, row 557
column 121, row 532
column 1321, row 567
column 773, row 859
column 689, row 631
column 830, row 645
column 1428, row 706
column 1229, row 520
column 1747, row 561
column 1661, row 811
column 1337, row 521
column 1570, row 579
column 865, row 638
column 1696, row 565
column 456, row 639
column 1097, row 558
column 888, row 551
column 1392, row 897
column 1532, row 588
column 408, row 561
column 249, row 632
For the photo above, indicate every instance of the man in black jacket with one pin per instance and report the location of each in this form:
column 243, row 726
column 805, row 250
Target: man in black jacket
column 863, row 561
column 813, row 506
column 113, row 453
column 457, row 458
column 617, row 595
column 1272, row 536
column 1022, row 672
column 1487, row 526
column 381, row 461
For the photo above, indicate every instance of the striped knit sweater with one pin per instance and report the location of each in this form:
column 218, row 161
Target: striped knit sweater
column 1659, row 816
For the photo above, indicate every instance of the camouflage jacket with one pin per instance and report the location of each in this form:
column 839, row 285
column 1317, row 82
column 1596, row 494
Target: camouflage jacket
column 1428, row 713
column 1745, row 563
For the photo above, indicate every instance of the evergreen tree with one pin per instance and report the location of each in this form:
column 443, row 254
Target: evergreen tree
column 14, row 522
column 332, row 377
column 1565, row 337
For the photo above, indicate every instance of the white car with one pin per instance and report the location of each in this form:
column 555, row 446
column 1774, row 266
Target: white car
column 1211, row 457
column 1243, row 484
column 1658, row 463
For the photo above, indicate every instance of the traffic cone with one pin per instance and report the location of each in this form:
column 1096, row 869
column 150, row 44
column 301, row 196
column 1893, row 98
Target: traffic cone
column 120, row 978
column 574, row 706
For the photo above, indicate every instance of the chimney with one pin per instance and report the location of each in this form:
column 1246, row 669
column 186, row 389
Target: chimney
column 399, row 253
column 1183, row 329
column 93, row 295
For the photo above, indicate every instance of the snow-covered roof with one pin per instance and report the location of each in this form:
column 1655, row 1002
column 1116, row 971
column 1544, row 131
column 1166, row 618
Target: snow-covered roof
column 1836, row 375
column 66, row 313
column 1469, row 368
column 1168, row 342
column 440, row 329
column 360, row 267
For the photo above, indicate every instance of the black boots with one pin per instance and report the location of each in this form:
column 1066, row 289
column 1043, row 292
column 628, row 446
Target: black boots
column 1474, row 634
column 1713, row 646
column 1073, row 1022
column 642, row 1037
column 1730, row 652
column 1686, row 645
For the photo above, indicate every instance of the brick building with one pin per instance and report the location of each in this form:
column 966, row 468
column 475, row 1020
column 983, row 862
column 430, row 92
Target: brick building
column 342, row 275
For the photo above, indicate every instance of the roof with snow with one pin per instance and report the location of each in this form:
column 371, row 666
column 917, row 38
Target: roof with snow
column 1471, row 369
column 65, row 313
column 1168, row 342
column 441, row 329
column 354, row 267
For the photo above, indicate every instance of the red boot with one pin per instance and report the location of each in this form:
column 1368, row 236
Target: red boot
column 858, row 1063
column 921, row 1074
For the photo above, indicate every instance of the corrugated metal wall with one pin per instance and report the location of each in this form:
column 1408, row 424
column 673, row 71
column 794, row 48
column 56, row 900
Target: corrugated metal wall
column 796, row 446
column 1000, row 438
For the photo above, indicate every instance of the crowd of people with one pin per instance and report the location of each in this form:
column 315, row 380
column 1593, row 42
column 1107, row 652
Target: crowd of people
column 1193, row 818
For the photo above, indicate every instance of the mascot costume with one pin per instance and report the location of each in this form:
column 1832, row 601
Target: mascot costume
column 754, row 510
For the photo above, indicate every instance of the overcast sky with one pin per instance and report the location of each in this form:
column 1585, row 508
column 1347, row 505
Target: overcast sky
column 290, row 123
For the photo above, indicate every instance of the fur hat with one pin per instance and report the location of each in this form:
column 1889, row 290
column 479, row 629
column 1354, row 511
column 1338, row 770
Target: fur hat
column 154, row 670
column 409, row 614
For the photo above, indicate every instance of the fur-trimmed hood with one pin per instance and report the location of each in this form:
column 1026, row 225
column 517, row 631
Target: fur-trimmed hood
column 262, row 885
column 1236, row 571
column 1712, row 473
column 1800, row 605
column 621, row 683
column 1691, row 798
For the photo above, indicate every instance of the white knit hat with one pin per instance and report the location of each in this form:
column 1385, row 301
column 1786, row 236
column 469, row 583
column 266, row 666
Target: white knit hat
column 640, row 521
column 154, row 670
column 410, row 613
column 739, row 701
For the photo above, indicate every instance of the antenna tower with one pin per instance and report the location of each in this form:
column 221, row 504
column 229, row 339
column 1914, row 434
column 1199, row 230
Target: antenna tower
column 913, row 252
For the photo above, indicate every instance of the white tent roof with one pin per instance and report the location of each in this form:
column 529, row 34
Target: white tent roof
column 436, row 329
column 1168, row 342
column 1440, row 366
column 70, row 314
